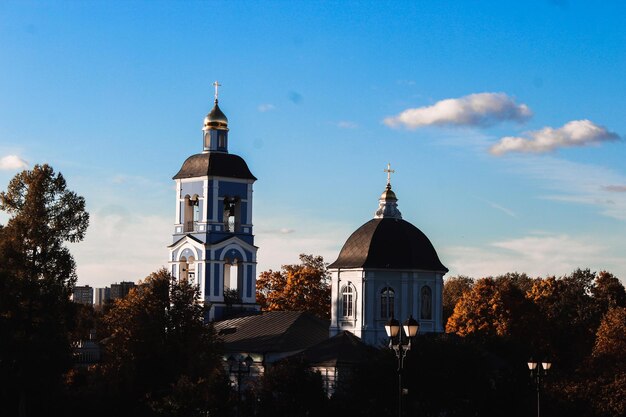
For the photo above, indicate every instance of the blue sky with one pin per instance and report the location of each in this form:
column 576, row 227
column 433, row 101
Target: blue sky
column 505, row 122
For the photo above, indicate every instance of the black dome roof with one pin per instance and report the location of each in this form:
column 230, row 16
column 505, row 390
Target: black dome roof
column 389, row 243
column 219, row 164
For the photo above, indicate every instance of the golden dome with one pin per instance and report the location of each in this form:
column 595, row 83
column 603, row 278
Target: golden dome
column 216, row 119
column 388, row 194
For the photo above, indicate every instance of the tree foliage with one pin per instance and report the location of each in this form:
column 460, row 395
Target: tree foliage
column 492, row 307
column 37, row 277
column 291, row 389
column 44, row 215
column 159, row 352
column 303, row 287
column 453, row 289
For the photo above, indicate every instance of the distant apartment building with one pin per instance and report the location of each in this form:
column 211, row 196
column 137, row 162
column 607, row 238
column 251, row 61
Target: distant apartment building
column 83, row 294
column 121, row 290
column 102, row 296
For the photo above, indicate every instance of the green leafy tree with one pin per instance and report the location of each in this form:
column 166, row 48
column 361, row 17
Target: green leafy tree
column 37, row 277
column 303, row 287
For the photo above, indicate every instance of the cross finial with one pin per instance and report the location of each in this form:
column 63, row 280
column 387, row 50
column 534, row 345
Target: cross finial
column 216, row 84
column 389, row 171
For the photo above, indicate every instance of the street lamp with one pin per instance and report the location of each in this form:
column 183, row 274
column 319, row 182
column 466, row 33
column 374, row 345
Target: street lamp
column 239, row 367
column 392, row 327
column 538, row 370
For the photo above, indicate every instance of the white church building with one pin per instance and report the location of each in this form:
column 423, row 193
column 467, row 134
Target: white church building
column 387, row 268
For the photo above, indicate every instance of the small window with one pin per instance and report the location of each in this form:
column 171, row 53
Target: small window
column 427, row 308
column 387, row 303
column 347, row 301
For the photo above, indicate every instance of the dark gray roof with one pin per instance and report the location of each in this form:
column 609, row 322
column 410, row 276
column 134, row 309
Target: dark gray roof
column 389, row 243
column 272, row 331
column 218, row 164
column 342, row 349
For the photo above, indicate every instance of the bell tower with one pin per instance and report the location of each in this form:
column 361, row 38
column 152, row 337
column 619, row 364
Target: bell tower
column 213, row 241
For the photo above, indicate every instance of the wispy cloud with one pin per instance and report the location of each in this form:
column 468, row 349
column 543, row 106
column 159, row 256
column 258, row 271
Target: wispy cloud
column 280, row 231
column 503, row 209
column 482, row 109
column 266, row 107
column 615, row 188
column 537, row 254
column 574, row 133
column 12, row 162
column 346, row 124
column 282, row 239
column 576, row 183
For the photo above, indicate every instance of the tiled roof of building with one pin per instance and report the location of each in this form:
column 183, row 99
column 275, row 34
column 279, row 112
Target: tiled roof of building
column 272, row 331
column 216, row 164
column 389, row 243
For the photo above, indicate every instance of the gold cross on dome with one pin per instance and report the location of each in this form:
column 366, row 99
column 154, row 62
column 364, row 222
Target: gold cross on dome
column 216, row 84
column 389, row 171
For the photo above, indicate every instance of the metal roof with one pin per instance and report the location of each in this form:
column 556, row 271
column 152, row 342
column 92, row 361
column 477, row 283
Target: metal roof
column 272, row 331
column 389, row 243
column 215, row 164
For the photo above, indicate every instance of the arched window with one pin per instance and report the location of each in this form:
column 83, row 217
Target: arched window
column 232, row 214
column 191, row 269
column 427, row 305
column 191, row 212
column 347, row 301
column 387, row 302
column 233, row 280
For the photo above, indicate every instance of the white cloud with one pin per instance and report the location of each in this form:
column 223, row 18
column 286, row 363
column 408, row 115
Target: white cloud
column 12, row 162
column 482, row 109
column 574, row 133
column 346, row 124
column 538, row 254
column 266, row 107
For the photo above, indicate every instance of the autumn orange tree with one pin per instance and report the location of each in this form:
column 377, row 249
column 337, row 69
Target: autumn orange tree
column 492, row 307
column 453, row 289
column 301, row 287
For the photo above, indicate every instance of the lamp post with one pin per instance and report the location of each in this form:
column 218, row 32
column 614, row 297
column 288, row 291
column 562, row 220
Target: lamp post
column 392, row 327
column 239, row 367
column 538, row 370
